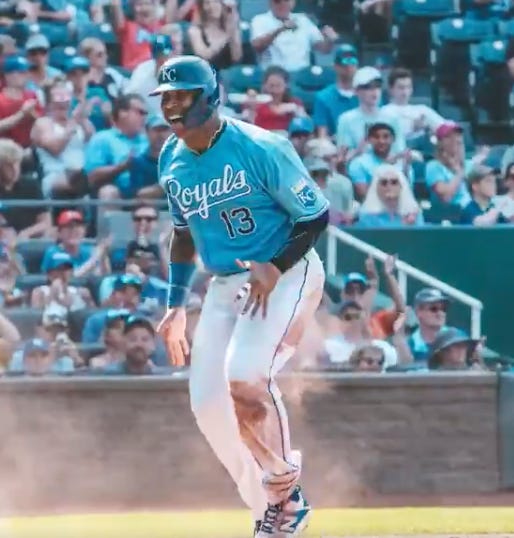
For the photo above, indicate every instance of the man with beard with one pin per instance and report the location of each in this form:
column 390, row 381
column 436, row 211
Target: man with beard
column 139, row 347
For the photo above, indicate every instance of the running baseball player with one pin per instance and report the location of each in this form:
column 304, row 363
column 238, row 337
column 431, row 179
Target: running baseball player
column 240, row 197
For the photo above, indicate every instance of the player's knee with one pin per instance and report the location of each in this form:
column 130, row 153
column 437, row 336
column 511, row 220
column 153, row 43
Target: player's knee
column 249, row 401
column 109, row 192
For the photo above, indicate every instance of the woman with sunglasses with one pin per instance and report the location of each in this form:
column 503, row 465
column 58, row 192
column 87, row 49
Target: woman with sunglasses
column 389, row 201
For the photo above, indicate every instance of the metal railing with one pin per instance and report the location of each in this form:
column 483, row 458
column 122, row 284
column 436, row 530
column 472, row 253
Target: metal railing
column 404, row 270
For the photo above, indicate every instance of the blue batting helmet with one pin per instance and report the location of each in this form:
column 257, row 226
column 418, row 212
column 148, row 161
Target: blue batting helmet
column 191, row 73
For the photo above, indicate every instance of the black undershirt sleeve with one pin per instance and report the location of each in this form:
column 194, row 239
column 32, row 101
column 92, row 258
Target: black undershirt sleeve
column 303, row 237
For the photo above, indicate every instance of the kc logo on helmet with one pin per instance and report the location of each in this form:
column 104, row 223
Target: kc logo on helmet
column 169, row 75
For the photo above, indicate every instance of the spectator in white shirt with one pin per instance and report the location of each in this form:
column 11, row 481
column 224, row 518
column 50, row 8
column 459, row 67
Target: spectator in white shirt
column 144, row 77
column 505, row 202
column 414, row 119
column 352, row 127
column 283, row 38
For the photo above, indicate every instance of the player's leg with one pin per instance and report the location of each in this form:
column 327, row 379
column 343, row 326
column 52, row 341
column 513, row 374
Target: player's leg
column 259, row 348
column 210, row 397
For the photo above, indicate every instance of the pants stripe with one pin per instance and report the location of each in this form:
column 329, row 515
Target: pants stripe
column 270, row 377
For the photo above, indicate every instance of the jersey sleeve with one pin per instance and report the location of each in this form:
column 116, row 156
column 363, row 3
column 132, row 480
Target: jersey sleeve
column 164, row 181
column 289, row 184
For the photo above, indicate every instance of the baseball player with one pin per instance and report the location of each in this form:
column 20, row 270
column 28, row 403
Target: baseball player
column 240, row 197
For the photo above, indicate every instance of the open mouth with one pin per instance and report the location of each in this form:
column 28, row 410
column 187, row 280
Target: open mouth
column 175, row 118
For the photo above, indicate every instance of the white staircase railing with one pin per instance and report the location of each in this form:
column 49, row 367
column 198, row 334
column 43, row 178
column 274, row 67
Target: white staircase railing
column 404, row 270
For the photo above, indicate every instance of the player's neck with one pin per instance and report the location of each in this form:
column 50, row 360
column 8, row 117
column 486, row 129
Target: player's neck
column 202, row 138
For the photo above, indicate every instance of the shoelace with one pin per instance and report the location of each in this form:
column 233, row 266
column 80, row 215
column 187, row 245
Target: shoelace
column 270, row 518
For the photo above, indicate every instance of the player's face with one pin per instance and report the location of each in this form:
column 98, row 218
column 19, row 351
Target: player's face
column 401, row 91
column 174, row 104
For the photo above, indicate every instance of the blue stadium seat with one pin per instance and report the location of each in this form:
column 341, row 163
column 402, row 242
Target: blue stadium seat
column 433, row 9
column 459, row 30
column 241, row 78
column 25, row 319
column 506, row 28
column 104, row 32
column 314, row 77
column 30, row 281
column 32, row 251
column 307, row 97
column 77, row 320
column 57, row 34
column 59, row 56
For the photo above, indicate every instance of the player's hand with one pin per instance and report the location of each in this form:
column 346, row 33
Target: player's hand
column 172, row 328
column 262, row 281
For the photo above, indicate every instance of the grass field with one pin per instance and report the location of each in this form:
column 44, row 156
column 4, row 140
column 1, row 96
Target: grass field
column 236, row 524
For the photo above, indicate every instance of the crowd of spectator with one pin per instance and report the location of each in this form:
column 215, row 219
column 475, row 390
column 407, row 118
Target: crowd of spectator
column 79, row 144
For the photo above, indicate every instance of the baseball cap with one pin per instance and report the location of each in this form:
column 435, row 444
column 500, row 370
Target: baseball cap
column 58, row 259
column 136, row 250
column 359, row 278
column 448, row 337
column 447, row 128
column 315, row 164
column 366, row 75
column 55, row 315
column 155, row 121
column 161, row 45
column 77, row 63
column 138, row 321
column 127, row 280
column 35, row 344
column 430, row 295
column 321, row 147
column 15, row 63
column 380, row 125
column 477, row 173
column 346, row 54
column 69, row 216
column 301, row 125
column 115, row 314
column 37, row 41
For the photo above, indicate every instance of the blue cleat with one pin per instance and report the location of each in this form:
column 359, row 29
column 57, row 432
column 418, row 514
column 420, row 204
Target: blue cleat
column 287, row 519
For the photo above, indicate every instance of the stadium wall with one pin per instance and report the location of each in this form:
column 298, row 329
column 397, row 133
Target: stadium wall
column 105, row 444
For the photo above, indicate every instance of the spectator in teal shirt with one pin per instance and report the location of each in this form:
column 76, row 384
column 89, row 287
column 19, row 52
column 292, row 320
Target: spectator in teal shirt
column 93, row 100
column 110, row 153
column 446, row 174
column 361, row 169
column 339, row 97
column 144, row 181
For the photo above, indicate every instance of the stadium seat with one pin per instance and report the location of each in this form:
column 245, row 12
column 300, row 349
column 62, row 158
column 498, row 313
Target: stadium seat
column 32, row 251
column 241, row 78
column 307, row 97
column 57, row 34
column 411, row 32
column 249, row 8
column 439, row 213
column 433, row 9
column 104, row 32
column 451, row 56
column 490, row 82
column 26, row 320
column 506, row 28
column 28, row 282
column 249, row 56
column 77, row 320
column 59, row 56
column 314, row 77
column 495, row 156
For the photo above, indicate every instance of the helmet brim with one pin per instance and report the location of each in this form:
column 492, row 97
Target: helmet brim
column 170, row 87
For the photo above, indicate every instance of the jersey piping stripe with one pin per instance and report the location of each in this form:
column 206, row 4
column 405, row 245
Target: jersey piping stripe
column 270, row 380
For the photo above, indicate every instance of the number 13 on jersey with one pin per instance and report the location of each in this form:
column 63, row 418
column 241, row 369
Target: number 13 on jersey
column 238, row 221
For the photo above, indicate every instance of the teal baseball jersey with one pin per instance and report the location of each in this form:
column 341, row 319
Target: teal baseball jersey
column 241, row 197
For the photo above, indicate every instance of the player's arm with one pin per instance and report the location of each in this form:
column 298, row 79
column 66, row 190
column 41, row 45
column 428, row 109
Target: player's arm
column 303, row 237
column 291, row 186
